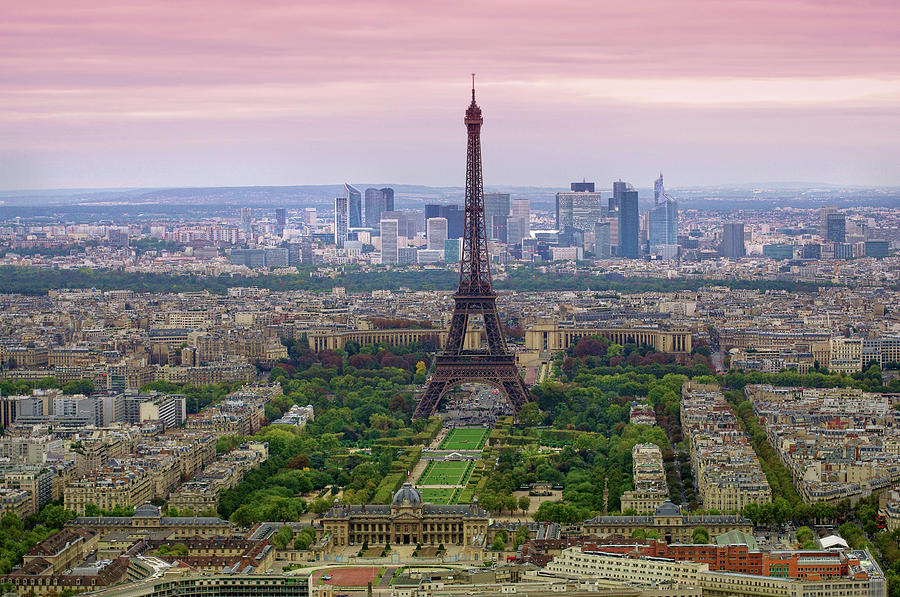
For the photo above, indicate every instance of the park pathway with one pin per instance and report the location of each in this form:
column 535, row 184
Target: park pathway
column 386, row 578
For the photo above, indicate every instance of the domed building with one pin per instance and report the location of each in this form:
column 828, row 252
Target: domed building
column 407, row 520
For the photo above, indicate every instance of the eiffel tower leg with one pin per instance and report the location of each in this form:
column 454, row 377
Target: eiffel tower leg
column 494, row 333
column 457, row 335
column 517, row 394
column 429, row 401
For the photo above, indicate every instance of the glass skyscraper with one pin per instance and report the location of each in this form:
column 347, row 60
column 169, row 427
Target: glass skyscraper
column 663, row 219
column 629, row 221
column 354, row 205
column 341, row 220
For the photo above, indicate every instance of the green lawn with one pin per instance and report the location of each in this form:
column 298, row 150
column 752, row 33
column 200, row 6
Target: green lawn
column 437, row 496
column 443, row 472
column 465, row 438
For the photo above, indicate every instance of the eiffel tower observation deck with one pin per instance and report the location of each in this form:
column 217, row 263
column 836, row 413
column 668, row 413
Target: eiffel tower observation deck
column 495, row 365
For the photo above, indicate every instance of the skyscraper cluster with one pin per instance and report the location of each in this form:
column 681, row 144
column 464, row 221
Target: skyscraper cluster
column 454, row 214
column 583, row 221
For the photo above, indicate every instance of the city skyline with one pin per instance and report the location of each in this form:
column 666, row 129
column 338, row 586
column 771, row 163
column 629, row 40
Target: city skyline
column 132, row 95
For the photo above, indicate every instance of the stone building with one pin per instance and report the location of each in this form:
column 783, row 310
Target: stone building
column 673, row 525
column 406, row 521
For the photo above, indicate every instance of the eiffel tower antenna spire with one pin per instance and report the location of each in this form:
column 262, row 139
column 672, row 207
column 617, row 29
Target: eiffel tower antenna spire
column 474, row 296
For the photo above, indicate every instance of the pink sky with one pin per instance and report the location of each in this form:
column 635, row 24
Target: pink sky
column 220, row 93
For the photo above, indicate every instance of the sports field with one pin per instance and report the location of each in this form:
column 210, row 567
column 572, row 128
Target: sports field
column 437, row 495
column 347, row 577
column 465, row 438
column 446, row 472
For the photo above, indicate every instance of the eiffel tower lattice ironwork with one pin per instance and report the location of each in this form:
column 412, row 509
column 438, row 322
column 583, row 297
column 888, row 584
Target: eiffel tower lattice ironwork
column 495, row 366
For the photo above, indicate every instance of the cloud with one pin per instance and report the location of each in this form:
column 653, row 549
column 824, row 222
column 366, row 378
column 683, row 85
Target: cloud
column 87, row 76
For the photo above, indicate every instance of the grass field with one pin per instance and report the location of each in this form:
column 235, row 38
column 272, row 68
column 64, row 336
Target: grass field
column 465, row 438
column 442, row 472
column 437, row 495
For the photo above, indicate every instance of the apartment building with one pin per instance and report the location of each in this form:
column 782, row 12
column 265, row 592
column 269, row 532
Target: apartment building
column 727, row 470
column 650, row 487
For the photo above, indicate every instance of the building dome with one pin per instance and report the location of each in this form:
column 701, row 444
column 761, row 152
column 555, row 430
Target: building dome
column 667, row 508
column 407, row 496
column 147, row 511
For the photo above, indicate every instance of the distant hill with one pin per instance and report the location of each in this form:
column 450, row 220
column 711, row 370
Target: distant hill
column 149, row 200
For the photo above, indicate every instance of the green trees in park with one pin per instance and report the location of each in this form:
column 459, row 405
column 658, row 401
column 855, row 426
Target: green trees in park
column 38, row 281
column 700, row 536
column 368, row 408
column 283, row 537
column 524, row 504
column 17, row 536
column 587, row 417
column 805, row 537
column 305, row 538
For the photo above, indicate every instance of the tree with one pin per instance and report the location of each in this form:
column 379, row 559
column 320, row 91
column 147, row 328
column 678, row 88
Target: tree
column 319, row 506
column 244, row 516
column 55, row 516
column 283, row 537
column 804, row 535
column 530, row 415
column 524, row 504
column 11, row 522
column 700, row 535
column 499, row 544
column 79, row 386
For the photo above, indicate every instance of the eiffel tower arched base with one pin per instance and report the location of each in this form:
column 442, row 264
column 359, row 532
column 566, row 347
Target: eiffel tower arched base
column 498, row 371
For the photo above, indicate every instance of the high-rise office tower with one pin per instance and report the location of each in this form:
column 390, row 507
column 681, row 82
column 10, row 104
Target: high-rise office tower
column 341, row 221
column 564, row 215
column 629, row 221
column 582, row 187
column 663, row 225
column 436, row 232
column 824, row 212
column 732, row 245
column 518, row 225
column 602, row 239
column 452, row 250
column 354, row 205
column 580, row 208
column 306, row 250
column 496, row 211
column 390, row 242
column 402, row 221
column 619, row 187
column 246, row 220
column 521, row 210
column 310, row 217
column 280, row 221
column 835, row 228
column 388, row 194
column 454, row 215
column 375, row 205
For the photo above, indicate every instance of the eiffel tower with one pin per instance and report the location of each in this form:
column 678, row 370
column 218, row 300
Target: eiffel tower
column 495, row 366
